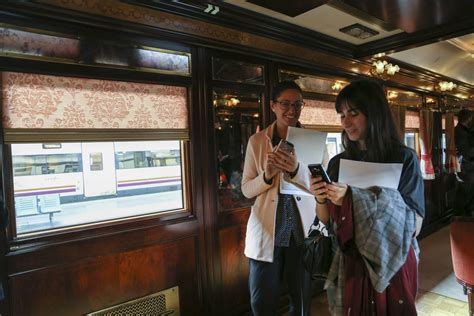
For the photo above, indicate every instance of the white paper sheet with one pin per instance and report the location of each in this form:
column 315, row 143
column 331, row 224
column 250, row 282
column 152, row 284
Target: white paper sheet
column 366, row 174
column 309, row 148
column 309, row 145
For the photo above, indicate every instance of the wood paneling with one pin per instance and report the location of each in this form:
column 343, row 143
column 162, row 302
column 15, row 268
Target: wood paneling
column 95, row 283
column 235, row 270
column 438, row 213
column 234, row 217
column 44, row 256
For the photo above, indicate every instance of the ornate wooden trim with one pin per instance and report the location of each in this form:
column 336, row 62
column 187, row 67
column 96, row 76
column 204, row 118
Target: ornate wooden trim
column 255, row 23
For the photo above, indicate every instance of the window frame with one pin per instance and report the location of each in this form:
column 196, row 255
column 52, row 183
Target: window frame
column 416, row 131
column 69, row 135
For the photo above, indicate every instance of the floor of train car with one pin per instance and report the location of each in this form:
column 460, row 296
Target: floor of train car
column 439, row 293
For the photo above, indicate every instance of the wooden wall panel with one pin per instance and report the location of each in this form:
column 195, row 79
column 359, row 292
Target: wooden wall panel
column 431, row 203
column 96, row 283
column 234, row 269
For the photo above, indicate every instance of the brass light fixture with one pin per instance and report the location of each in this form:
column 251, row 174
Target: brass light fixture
column 337, row 86
column 383, row 70
column 446, row 86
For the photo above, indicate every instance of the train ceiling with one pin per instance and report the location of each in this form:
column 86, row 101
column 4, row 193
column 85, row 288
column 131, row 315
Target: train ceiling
column 427, row 38
column 436, row 35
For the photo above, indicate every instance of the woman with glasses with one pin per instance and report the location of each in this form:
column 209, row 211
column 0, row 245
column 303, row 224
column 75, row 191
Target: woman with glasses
column 374, row 271
column 278, row 222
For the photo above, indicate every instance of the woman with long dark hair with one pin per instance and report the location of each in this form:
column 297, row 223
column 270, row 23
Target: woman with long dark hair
column 374, row 271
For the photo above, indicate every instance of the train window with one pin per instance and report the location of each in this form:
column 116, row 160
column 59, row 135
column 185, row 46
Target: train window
column 30, row 165
column 85, row 183
column 334, row 144
column 443, row 149
column 412, row 125
column 410, row 140
column 96, row 163
column 147, row 159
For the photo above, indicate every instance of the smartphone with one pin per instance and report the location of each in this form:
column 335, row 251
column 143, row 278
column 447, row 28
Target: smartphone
column 285, row 145
column 317, row 170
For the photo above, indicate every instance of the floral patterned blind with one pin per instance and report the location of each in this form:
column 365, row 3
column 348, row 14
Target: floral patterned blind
column 412, row 119
column 41, row 101
column 320, row 113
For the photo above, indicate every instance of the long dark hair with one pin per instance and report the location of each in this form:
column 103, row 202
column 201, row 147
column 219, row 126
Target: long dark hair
column 382, row 136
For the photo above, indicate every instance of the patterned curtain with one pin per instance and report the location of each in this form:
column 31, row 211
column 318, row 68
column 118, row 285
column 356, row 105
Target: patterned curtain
column 318, row 112
column 34, row 101
column 412, row 119
column 426, row 135
column 398, row 113
column 451, row 163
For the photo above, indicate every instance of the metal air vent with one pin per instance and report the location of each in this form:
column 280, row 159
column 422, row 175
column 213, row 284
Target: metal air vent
column 358, row 31
column 164, row 303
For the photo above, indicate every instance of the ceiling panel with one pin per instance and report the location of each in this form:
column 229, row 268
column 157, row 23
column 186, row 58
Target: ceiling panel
column 326, row 19
column 444, row 58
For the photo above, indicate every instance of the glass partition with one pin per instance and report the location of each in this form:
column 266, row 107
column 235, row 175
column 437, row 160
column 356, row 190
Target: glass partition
column 237, row 71
column 237, row 117
column 310, row 83
column 404, row 98
column 42, row 45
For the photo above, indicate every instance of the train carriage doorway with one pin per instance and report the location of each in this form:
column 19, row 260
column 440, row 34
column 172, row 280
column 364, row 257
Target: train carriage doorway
column 99, row 169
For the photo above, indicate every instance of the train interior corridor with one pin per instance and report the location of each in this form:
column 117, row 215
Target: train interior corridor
column 439, row 294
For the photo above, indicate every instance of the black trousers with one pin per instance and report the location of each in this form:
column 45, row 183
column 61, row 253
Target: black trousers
column 266, row 278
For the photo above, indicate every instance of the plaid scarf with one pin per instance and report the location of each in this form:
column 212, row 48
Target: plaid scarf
column 384, row 229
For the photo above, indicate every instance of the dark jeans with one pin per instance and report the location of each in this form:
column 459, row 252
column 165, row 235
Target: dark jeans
column 265, row 279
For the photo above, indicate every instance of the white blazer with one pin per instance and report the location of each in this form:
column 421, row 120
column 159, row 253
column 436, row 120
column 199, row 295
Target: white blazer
column 260, row 238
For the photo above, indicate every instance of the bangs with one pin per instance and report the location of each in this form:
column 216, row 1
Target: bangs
column 344, row 102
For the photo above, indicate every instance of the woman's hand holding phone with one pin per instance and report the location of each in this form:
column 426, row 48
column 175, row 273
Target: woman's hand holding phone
column 324, row 188
column 270, row 169
column 283, row 157
column 318, row 187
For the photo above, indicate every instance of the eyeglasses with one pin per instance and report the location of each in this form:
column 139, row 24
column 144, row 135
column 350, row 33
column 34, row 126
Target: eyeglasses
column 285, row 104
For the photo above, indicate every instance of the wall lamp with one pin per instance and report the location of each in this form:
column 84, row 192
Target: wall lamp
column 381, row 69
column 446, row 86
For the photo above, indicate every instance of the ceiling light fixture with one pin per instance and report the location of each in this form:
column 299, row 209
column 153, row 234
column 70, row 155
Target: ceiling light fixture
column 446, row 86
column 337, row 86
column 382, row 69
